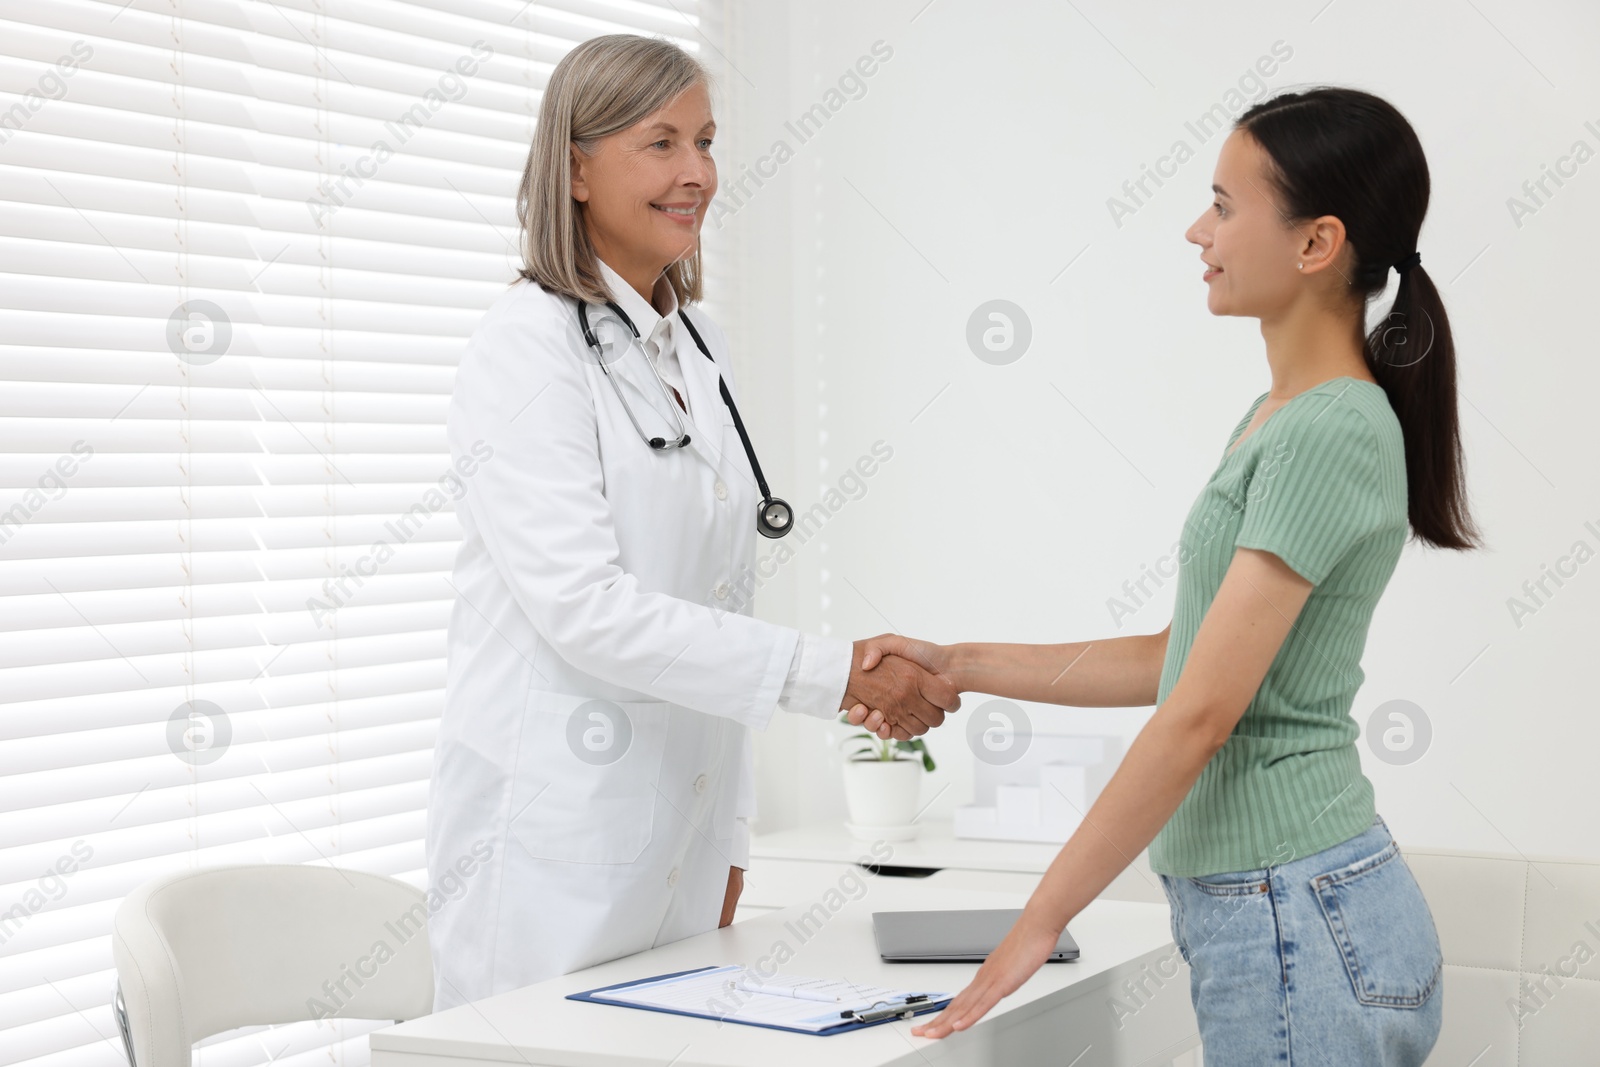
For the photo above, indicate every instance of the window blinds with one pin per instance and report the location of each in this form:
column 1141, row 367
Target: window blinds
column 241, row 245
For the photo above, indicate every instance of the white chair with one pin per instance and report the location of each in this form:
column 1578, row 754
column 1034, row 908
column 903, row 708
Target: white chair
column 209, row 950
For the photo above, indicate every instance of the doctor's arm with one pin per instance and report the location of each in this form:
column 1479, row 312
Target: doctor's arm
column 540, row 505
column 828, row 674
column 1240, row 636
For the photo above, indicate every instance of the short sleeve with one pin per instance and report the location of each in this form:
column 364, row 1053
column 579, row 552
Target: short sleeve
column 1315, row 489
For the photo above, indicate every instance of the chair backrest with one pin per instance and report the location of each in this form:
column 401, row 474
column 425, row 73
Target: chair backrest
column 1521, row 941
column 209, row 950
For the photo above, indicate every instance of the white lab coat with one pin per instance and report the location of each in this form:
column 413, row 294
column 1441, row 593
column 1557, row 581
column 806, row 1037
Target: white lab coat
column 591, row 567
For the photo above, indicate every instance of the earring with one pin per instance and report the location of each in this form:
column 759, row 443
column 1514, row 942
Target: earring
column 1299, row 266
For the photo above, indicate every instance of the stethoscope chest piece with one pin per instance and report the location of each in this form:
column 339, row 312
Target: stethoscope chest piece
column 774, row 517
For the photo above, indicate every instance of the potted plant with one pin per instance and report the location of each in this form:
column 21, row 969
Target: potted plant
column 882, row 783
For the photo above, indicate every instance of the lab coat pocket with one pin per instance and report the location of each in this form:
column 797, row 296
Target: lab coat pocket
column 586, row 780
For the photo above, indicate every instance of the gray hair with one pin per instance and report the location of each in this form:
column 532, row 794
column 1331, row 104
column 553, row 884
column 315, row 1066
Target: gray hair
column 603, row 86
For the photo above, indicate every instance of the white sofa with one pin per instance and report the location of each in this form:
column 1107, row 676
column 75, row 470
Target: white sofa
column 1521, row 940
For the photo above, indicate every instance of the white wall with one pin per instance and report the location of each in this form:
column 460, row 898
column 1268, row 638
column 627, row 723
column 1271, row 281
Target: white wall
column 978, row 165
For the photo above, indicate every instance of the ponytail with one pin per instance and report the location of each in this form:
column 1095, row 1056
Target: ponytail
column 1412, row 356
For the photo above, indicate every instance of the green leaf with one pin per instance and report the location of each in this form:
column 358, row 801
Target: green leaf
column 916, row 745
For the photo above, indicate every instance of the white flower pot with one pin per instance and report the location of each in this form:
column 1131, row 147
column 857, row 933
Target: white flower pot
column 882, row 797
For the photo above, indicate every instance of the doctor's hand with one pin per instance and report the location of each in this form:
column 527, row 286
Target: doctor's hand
column 730, row 897
column 935, row 659
column 909, row 698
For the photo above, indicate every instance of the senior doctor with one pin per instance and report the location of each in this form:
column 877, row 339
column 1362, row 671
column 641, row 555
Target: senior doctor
column 593, row 777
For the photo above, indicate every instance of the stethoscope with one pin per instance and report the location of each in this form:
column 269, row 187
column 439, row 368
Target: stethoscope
column 774, row 517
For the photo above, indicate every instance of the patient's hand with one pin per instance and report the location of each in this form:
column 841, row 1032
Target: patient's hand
column 891, row 722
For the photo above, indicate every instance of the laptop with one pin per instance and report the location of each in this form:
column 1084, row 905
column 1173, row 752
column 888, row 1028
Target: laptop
column 962, row 936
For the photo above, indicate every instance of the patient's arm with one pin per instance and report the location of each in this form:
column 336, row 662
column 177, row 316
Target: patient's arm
column 1117, row 672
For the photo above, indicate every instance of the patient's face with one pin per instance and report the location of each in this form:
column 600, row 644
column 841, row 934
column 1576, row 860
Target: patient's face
column 1244, row 232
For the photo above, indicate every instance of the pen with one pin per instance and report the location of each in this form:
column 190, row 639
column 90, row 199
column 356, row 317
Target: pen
column 906, row 1009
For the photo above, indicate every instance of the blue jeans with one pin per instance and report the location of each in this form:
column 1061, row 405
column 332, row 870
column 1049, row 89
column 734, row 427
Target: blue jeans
column 1330, row 959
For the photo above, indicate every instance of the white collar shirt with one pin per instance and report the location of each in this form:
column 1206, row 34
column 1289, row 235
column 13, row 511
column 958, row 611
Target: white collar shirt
column 657, row 332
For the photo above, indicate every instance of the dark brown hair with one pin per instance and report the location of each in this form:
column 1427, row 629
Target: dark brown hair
column 1347, row 153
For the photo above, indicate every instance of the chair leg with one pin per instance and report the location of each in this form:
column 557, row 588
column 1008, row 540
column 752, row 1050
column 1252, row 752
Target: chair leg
column 120, row 1010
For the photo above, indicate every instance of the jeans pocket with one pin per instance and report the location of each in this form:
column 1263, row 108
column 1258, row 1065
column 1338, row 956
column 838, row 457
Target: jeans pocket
column 1233, row 883
column 1381, row 924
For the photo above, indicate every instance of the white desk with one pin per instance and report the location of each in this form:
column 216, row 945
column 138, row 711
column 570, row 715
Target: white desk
column 1063, row 1015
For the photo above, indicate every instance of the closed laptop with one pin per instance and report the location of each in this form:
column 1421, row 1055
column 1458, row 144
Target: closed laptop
column 962, row 936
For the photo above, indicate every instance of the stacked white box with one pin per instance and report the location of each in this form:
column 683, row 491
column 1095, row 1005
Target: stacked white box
column 1063, row 794
column 1017, row 805
column 1042, row 795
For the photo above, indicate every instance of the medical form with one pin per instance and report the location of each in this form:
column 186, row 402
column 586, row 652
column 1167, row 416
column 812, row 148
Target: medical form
column 733, row 994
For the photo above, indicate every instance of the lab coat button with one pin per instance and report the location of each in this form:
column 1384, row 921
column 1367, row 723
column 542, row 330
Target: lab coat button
column 722, row 590
column 672, row 879
column 700, row 784
column 722, row 491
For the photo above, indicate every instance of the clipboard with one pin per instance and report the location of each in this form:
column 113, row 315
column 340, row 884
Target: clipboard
column 844, row 1026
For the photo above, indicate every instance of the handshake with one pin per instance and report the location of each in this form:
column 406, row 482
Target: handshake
column 900, row 688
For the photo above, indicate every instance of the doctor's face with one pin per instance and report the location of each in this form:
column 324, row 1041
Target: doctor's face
column 646, row 189
column 1249, row 249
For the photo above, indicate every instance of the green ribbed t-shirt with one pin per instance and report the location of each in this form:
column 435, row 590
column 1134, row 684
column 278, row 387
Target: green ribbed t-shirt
column 1322, row 485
